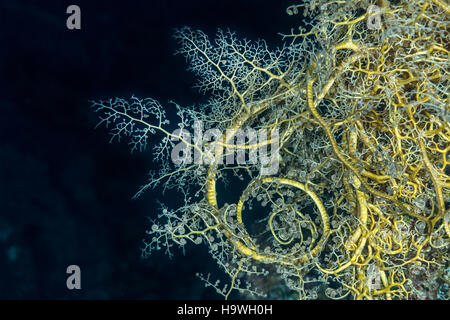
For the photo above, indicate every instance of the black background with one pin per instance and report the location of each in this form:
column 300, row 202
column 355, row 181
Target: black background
column 65, row 193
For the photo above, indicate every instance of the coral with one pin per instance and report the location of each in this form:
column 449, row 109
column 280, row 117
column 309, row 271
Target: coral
column 359, row 205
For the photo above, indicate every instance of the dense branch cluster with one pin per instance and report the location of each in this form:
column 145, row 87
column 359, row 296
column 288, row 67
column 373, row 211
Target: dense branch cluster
column 359, row 206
